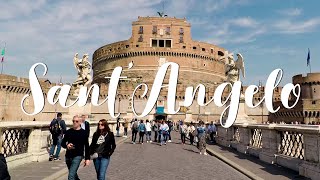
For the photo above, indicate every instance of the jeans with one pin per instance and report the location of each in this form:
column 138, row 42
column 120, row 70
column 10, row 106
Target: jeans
column 155, row 136
column 101, row 165
column 73, row 166
column 163, row 138
column 183, row 138
column 169, row 135
column 191, row 138
column 134, row 135
column 141, row 135
column 148, row 136
column 56, row 142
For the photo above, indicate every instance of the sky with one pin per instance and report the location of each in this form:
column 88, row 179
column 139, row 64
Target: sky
column 270, row 34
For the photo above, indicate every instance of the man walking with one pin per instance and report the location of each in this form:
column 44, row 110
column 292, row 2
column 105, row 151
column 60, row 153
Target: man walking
column 134, row 129
column 212, row 131
column 118, row 127
column 57, row 129
column 76, row 143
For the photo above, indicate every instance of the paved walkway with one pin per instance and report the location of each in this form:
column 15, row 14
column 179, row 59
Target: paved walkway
column 254, row 165
column 171, row 161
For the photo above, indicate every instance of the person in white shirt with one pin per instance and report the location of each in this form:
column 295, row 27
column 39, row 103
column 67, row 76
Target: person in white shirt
column 148, row 129
column 212, row 131
column 192, row 133
column 164, row 128
column 183, row 129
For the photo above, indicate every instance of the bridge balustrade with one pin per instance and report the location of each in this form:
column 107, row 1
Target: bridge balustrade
column 296, row 147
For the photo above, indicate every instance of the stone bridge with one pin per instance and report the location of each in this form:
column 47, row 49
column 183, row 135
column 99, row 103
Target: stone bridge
column 242, row 152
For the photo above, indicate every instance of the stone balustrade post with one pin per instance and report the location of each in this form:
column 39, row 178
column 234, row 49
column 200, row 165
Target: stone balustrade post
column 245, row 136
column 310, row 166
column 270, row 143
column 225, row 135
column 35, row 143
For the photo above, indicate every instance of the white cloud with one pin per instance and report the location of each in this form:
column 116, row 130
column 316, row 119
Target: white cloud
column 244, row 22
column 291, row 12
column 288, row 26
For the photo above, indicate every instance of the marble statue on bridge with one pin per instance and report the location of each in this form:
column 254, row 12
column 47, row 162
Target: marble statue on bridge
column 233, row 67
column 83, row 67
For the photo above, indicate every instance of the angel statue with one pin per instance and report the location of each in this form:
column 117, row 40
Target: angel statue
column 83, row 67
column 233, row 67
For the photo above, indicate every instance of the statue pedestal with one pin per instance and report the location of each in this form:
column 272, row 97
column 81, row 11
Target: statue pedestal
column 242, row 117
column 188, row 118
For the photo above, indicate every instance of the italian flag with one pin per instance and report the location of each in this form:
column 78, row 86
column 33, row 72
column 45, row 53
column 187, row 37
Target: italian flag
column 3, row 52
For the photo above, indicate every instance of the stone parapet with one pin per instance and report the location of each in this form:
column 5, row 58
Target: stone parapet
column 296, row 147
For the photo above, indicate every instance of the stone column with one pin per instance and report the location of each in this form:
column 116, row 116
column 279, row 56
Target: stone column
column 35, row 144
column 245, row 135
column 225, row 136
column 270, row 142
column 310, row 166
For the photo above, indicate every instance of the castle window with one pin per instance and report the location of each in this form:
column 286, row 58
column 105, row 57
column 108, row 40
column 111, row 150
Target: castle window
column 137, row 45
column 161, row 43
column 168, row 43
column 194, row 47
column 154, row 43
column 141, row 30
column 220, row 53
column 183, row 47
column 168, row 30
column 181, row 39
column 181, row 32
column 203, row 49
column 127, row 46
column 140, row 38
column 211, row 50
column 154, row 30
column 313, row 102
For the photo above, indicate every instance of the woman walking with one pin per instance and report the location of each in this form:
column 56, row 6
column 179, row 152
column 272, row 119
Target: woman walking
column 201, row 134
column 102, row 146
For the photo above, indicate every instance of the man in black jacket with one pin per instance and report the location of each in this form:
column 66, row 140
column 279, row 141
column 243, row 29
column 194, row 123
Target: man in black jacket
column 76, row 143
column 4, row 173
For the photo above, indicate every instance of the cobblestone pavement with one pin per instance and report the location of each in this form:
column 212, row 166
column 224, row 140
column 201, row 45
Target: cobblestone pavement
column 171, row 161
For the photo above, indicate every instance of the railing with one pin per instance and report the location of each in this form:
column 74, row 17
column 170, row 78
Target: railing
column 293, row 146
column 26, row 141
column 15, row 141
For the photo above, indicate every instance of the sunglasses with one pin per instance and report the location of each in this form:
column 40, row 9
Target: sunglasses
column 74, row 121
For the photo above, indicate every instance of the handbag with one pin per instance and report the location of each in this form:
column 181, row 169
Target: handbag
column 94, row 156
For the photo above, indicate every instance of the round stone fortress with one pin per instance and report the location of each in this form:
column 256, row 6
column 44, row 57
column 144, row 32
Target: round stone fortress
column 154, row 41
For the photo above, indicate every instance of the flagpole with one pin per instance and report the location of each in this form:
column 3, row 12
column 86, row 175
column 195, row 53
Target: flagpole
column 2, row 58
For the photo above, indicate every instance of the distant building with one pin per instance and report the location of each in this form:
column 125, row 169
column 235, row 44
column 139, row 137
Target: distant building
column 307, row 109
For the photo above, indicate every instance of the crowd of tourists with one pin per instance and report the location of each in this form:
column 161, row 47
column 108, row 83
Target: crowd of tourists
column 161, row 130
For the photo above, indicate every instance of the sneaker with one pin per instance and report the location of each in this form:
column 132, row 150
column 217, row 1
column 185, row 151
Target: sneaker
column 50, row 158
column 200, row 153
column 165, row 143
column 56, row 159
column 169, row 141
column 205, row 153
column 141, row 143
column 150, row 141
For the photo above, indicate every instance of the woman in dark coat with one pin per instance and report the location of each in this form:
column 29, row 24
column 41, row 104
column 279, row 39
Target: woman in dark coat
column 102, row 146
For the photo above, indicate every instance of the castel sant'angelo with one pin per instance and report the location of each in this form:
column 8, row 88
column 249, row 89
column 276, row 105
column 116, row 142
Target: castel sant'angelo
column 153, row 42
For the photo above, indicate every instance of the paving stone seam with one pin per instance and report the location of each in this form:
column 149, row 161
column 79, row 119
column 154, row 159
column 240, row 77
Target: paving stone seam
column 64, row 171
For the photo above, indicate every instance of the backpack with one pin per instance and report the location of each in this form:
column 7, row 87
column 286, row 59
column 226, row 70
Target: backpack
column 135, row 126
column 56, row 127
